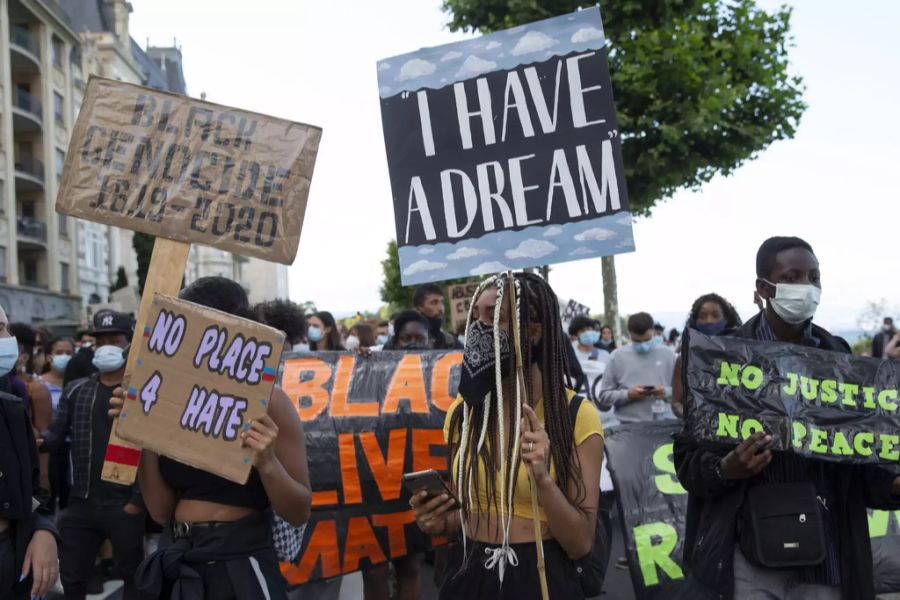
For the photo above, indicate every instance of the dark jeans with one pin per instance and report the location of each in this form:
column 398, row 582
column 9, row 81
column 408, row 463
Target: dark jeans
column 83, row 526
column 8, row 575
column 59, row 476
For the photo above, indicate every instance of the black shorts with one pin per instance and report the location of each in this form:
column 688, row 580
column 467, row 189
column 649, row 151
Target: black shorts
column 474, row 581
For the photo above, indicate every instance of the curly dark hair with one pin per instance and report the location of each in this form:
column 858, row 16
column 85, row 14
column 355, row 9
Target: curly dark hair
column 284, row 315
column 732, row 318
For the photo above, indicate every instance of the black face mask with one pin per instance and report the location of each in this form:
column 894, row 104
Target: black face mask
column 478, row 376
column 435, row 323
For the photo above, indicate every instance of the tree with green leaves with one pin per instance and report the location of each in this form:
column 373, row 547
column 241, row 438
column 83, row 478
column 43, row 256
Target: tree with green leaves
column 397, row 296
column 121, row 280
column 700, row 86
column 143, row 247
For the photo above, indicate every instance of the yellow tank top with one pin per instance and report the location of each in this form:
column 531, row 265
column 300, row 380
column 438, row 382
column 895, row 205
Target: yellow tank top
column 587, row 423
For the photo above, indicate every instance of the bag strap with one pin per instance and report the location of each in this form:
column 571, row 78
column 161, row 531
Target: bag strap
column 574, row 405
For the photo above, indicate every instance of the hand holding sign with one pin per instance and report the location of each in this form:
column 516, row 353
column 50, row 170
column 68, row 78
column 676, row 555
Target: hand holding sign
column 259, row 435
column 748, row 459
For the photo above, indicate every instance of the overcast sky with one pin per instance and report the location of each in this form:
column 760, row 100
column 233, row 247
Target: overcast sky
column 835, row 184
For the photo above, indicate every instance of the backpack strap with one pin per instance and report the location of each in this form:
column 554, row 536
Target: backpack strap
column 574, row 406
column 595, row 353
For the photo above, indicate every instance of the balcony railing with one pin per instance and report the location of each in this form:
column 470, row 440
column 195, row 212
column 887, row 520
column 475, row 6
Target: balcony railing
column 32, row 228
column 24, row 39
column 28, row 103
column 31, row 166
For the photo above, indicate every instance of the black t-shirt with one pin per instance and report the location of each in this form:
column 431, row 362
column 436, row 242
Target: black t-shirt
column 101, row 426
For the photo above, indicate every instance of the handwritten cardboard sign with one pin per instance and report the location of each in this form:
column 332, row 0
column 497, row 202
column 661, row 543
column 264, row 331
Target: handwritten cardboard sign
column 201, row 376
column 460, row 296
column 189, row 170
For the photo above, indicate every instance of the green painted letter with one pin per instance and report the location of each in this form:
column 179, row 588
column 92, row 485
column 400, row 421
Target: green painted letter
column 728, row 374
column 651, row 556
column 749, row 427
column 859, row 438
column 727, row 426
column 799, row 434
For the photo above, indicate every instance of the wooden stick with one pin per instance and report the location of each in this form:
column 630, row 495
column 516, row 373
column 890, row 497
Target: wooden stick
column 164, row 275
column 520, row 374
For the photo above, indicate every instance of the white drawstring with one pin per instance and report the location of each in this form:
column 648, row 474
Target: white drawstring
column 499, row 557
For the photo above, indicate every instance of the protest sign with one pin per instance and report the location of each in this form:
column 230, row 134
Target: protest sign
column 569, row 309
column 504, row 151
column 460, row 296
column 815, row 403
column 189, row 170
column 201, row 376
column 367, row 421
column 653, row 507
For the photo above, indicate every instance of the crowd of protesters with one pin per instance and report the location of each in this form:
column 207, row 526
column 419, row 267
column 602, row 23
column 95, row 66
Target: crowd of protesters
column 180, row 532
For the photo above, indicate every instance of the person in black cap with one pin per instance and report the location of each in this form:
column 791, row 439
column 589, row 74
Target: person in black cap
column 97, row 510
column 28, row 541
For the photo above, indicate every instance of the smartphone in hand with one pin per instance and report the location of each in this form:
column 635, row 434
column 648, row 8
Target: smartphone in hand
column 430, row 481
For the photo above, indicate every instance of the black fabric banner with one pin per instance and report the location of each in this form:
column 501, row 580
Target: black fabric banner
column 367, row 421
column 652, row 505
column 818, row 404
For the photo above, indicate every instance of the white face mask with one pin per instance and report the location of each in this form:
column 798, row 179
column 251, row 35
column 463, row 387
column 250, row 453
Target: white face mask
column 9, row 354
column 301, row 347
column 795, row 303
column 109, row 358
column 352, row 342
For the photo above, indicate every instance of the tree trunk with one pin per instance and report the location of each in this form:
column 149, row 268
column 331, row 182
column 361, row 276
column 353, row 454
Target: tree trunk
column 610, row 295
column 545, row 273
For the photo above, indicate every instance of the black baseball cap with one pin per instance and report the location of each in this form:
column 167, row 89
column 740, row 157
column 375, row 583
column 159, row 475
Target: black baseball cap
column 110, row 321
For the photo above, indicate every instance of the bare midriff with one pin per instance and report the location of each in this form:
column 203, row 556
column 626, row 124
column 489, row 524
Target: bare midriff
column 484, row 528
column 200, row 511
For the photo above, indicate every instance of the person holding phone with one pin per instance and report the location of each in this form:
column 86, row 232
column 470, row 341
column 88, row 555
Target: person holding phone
column 497, row 556
column 638, row 374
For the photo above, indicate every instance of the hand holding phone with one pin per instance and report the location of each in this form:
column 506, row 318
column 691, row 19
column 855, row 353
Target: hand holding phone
column 429, row 481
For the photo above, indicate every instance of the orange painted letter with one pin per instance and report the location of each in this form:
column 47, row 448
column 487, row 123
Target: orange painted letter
column 312, row 388
column 349, row 470
column 408, row 383
column 422, row 441
column 322, row 544
column 388, row 473
column 441, row 398
column 396, row 527
column 361, row 543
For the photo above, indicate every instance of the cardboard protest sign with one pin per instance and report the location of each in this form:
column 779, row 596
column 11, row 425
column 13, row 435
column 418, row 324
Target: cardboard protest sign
column 813, row 402
column 504, row 151
column 189, row 170
column 653, row 508
column 367, row 421
column 569, row 309
column 201, row 375
column 460, row 296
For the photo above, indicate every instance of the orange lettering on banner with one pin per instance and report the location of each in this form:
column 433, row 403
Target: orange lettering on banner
column 340, row 404
column 408, row 383
column 396, row 527
column 440, row 381
column 349, row 471
column 315, row 389
column 388, row 473
column 361, row 543
column 324, row 498
column 323, row 543
column 422, row 441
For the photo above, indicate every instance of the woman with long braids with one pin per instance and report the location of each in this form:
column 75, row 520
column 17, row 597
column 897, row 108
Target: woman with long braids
column 497, row 442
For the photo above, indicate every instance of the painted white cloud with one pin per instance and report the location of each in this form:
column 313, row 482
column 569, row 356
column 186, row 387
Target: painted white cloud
column 488, row 267
column 475, row 66
column 464, row 252
column 597, row 234
column 553, row 231
column 426, row 250
column 414, row 68
column 385, row 90
column 422, row 266
column 531, row 249
column 586, row 34
column 384, row 66
column 492, row 45
column 581, row 252
column 452, row 55
column 625, row 220
column 533, row 41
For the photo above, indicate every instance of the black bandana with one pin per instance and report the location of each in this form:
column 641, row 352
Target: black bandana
column 478, row 375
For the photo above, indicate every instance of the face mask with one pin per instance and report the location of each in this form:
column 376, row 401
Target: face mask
column 352, row 342
column 435, row 323
column 606, row 343
column 478, row 376
column 9, row 354
column 108, row 358
column 645, row 347
column 314, row 334
column 301, row 347
column 795, row 303
column 413, row 346
column 382, row 340
column 59, row 361
column 711, row 328
column 588, row 338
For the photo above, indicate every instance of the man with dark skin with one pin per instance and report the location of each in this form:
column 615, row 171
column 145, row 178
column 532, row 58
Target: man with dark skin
column 717, row 481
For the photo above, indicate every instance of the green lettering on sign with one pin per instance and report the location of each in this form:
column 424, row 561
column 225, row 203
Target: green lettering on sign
column 750, row 426
column 752, row 377
column 728, row 374
column 662, row 460
column 878, row 522
column 728, row 426
column 799, row 434
column 656, row 555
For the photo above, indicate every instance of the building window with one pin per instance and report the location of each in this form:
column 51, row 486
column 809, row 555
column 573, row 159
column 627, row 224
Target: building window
column 2, row 264
column 94, row 249
column 60, row 162
column 57, row 47
column 64, row 278
column 58, row 108
column 63, row 225
column 31, row 271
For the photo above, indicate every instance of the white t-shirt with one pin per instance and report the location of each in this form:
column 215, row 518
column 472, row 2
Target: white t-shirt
column 593, row 364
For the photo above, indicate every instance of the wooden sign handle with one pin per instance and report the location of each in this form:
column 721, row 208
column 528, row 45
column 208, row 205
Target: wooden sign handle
column 164, row 275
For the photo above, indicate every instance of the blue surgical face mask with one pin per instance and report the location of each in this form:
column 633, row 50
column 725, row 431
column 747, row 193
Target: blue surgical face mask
column 314, row 334
column 301, row 347
column 60, row 361
column 589, row 338
column 645, row 347
column 108, row 358
column 711, row 328
column 382, row 339
column 9, row 354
